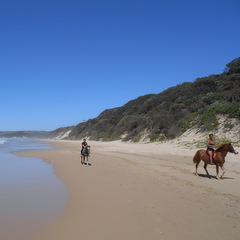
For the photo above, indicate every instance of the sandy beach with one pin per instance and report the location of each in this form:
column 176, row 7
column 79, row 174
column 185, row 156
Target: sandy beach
column 142, row 191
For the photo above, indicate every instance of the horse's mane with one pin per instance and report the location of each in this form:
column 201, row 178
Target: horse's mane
column 221, row 147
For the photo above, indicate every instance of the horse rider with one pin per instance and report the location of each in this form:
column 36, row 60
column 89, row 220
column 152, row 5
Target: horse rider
column 84, row 145
column 210, row 147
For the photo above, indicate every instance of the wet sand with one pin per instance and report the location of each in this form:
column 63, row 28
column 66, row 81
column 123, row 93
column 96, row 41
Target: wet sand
column 142, row 191
column 31, row 196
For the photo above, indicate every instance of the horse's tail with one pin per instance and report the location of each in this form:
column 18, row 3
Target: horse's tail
column 197, row 158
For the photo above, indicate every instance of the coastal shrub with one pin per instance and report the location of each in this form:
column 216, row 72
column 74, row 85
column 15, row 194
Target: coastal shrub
column 187, row 121
column 205, row 84
column 208, row 119
column 131, row 135
column 138, row 138
column 234, row 111
column 228, row 125
column 157, row 137
column 233, row 66
column 153, row 137
column 173, row 131
column 170, row 112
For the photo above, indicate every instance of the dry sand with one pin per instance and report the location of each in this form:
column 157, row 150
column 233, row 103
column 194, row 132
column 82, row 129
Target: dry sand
column 142, row 191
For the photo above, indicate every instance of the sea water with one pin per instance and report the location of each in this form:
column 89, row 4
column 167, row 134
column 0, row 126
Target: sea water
column 31, row 195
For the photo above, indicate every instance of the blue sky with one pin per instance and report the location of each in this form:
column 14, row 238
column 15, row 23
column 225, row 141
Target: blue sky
column 63, row 62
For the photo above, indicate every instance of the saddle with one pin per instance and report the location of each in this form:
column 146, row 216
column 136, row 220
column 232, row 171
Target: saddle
column 214, row 154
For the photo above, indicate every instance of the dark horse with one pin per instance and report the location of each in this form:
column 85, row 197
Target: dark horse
column 219, row 160
column 85, row 154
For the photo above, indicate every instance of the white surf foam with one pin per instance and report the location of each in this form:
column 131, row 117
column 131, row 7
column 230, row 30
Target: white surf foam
column 2, row 141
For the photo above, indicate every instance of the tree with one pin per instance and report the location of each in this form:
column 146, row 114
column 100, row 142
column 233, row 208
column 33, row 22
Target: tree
column 233, row 66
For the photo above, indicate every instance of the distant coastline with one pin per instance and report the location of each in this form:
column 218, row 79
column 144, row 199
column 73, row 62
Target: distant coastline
column 23, row 134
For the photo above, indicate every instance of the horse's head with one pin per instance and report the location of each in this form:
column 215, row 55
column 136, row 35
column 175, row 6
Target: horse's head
column 232, row 149
column 236, row 151
column 227, row 147
column 88, row 149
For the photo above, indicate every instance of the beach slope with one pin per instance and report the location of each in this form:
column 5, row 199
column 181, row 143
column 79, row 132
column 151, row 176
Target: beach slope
column 142, row 191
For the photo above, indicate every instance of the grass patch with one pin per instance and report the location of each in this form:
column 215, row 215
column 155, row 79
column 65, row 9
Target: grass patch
column 157, row 137
column 137, row 138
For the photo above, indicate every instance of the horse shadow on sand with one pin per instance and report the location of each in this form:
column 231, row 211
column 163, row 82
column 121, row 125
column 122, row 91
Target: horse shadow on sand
column 212, row 176
column 87, row 164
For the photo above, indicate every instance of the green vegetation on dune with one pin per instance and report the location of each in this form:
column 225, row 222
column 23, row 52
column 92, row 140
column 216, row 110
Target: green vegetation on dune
column 171, row 112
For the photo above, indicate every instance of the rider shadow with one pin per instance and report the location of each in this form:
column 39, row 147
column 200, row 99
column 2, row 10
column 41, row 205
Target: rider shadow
column 87, row 164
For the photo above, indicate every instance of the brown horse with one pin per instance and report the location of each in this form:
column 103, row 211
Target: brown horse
column 219, row 160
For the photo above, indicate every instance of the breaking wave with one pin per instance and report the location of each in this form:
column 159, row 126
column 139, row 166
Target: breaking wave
column 2, row 141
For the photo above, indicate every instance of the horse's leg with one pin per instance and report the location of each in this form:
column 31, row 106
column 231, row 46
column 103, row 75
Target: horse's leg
column 197, row 163
column 205, row 168
column 223, row 169
column 197, row 160
column 217, row 171
column 196, row 168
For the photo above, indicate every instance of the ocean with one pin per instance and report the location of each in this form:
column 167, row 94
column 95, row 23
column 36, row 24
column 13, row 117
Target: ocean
column 31, row 195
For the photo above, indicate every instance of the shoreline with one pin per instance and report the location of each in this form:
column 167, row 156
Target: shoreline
column 28, row 203
column 135, row 191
